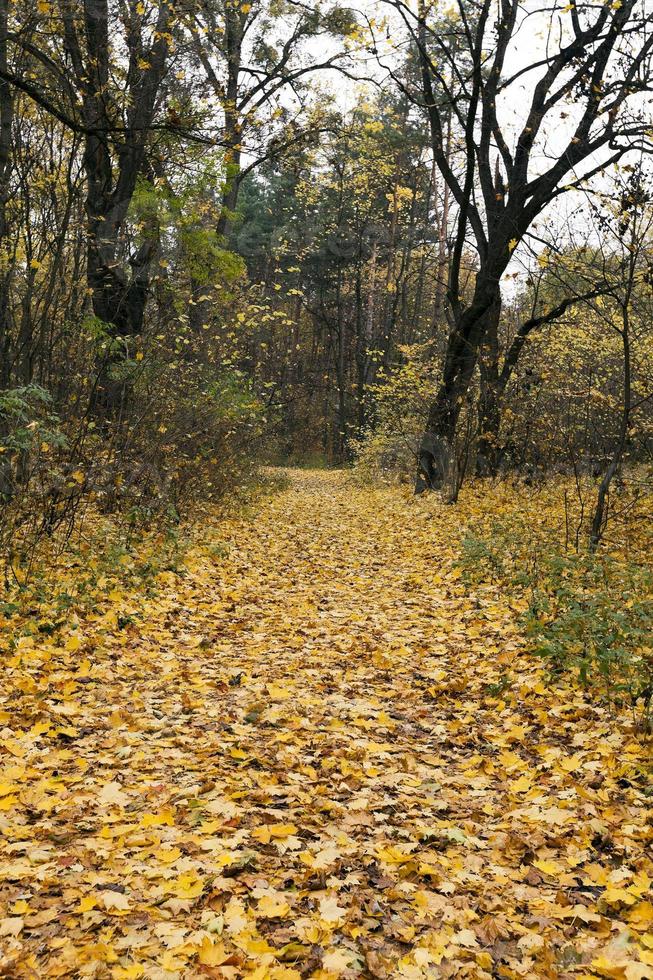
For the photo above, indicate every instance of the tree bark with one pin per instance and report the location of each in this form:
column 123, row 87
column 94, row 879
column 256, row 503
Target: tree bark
column 438, row 441
column 234, row 25
column 488, row 450
column 598, row 520
column 112, row 166
column 443, row 258
column 6, row 121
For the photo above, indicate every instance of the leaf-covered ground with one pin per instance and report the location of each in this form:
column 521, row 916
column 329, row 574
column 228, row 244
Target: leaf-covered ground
column 295, row 758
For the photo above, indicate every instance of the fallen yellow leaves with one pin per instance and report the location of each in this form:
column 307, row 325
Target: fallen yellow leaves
column 273, row 907
column 274, row 831
column 295, row 761
column 211, row 953
column 164, row 818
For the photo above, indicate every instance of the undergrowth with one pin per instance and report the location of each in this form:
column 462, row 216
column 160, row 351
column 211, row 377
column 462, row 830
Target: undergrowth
column 590, row 615
column 78, row 567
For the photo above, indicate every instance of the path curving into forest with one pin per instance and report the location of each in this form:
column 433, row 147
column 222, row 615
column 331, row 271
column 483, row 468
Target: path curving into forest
column 296, row 759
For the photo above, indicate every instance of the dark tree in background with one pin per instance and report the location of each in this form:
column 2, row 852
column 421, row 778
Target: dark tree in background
column 589, row 83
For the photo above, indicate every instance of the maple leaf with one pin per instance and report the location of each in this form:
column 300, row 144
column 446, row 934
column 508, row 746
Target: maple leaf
column 211, row 953
column 337, row 960
column 11, row 926
column 330, row 911
column 112, row 793
column 114, row 900
column 277, row 831
column 273, row 907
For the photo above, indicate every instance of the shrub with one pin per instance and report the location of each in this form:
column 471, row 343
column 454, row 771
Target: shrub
column 400, row 402
column 190, row 440
column 39, row 489
column 594, row 615
column 590, row 614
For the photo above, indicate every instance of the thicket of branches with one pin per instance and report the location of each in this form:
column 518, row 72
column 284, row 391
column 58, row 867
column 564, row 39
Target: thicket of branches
column 207, row 263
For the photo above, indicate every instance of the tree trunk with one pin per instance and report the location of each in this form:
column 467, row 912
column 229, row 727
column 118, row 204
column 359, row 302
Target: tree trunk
column 341, row 443
column 600, row 511
column 118, row 300
column 112, row 168
column 436, row 452
column 6, row 121
column 230, row 195
column 233, row 129
column 443, row 257
column 488, row 455
column 366, row 339
column 119, row 289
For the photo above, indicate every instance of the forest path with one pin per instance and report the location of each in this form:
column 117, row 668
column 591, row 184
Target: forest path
column 291, row 761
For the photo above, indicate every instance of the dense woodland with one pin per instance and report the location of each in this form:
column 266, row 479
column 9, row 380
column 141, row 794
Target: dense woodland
column 326, row 385
column 210, row 261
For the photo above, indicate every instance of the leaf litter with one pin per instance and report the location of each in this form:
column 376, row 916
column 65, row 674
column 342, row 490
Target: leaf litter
column 297, row 759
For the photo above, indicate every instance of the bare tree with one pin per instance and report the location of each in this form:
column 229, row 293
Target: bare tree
column 596, row 62
column 626, row 232
column 256, row 58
